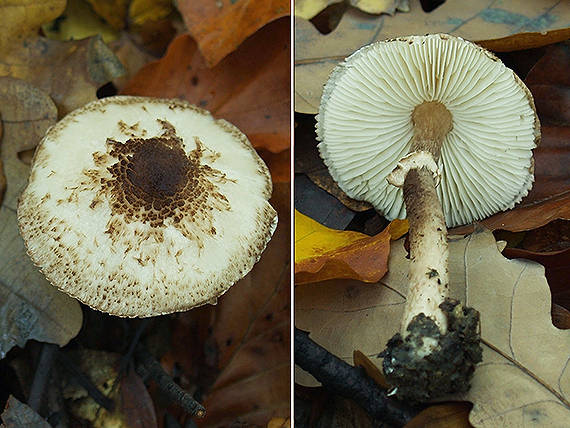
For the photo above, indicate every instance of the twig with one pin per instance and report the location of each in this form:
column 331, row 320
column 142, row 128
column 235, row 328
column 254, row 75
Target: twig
column 85, row 382
column 350, row 382
column 41, row 375
column 132, row 346
column 149, row 367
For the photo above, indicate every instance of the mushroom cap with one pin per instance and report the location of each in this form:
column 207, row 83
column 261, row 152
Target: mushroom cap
column 142, row 206
column 365, row 124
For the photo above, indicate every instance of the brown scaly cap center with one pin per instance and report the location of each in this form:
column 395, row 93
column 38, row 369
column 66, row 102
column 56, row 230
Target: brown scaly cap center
column 153, row 181
column 158, row 167
column 432, row 122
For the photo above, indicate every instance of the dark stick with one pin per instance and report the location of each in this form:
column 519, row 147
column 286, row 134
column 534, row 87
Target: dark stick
column 41, row 375
column 149, row 367
column 349, row 382
column 132, row 346
column 85, row 382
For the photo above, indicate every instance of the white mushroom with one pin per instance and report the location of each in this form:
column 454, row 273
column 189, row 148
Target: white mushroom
column 140, row 206
column 396, row 118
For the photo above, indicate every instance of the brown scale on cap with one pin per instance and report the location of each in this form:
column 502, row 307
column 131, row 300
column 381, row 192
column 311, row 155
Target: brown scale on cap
column 154, row 181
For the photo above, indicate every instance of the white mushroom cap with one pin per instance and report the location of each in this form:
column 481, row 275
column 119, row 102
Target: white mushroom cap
column 365, row 125
column 140, row 206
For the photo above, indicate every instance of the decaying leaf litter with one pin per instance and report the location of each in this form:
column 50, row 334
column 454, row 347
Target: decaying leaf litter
column 551, row 206
column 227, row 354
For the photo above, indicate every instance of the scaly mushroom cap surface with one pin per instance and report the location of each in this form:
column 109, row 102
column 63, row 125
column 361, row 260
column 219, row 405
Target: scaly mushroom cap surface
column 365, row 124
column 140, row 206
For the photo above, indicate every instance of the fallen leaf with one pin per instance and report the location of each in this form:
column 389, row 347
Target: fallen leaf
column 307, row 9
column 30, row 308
column 512, row 24
column 144, row 11
column 524, row 376
column 77, row 22
column 560, row 317
column 250, row 88
column 371, row 369
column 279, row 165
column 279, row 423
column 448, row 415
column 250, row 333
column 221, row 26
column 18, row 415
column 131, row 56
column 322, row 253
column 113, row 11
column 80, row 66
column 557, row 270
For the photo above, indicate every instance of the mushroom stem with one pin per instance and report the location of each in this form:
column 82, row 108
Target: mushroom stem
column 428, row 276
column 438, row 346
column 429, row 281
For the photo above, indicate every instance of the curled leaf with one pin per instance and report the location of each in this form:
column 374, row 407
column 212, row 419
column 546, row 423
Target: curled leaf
column 221, row 26
column 322, row 253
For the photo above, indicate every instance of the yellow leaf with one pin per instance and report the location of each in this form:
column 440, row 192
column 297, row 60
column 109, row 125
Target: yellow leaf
column 322, row 253
column 79, row 21
column 398, row 228
column 143, row 11
column 308, row 9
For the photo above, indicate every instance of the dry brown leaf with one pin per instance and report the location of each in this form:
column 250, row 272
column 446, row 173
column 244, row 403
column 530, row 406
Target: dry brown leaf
column 279, row 423
column 557, row 266
column 449, row 415
column 131, row 56
column 30, row 308
column 279, row 164
column 112, row 11
column 69, row 72
column 249, row 88
column 525, row 373
column 540, row 23
column 18, row 415
column 250, row 328
column 221, row 26
column 144, row 11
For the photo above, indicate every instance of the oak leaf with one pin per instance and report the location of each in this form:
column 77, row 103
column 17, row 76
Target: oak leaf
column 221, row 26
column 322, row 253
column 30, row 308
column 79, row 67
column 512, row 25
column 249, row 88
column 524, row 376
